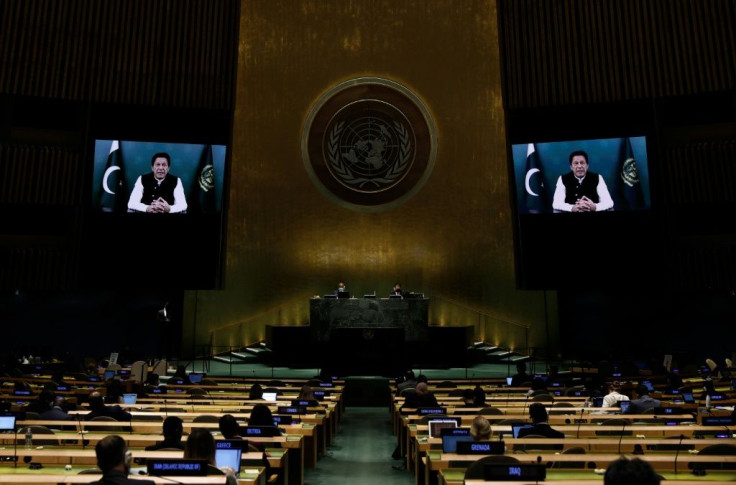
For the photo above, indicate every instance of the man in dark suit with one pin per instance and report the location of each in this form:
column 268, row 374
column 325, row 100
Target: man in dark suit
column 173, row 431
column 98, row 408
column 541, row 428
column 113, row 458
column 643, row 403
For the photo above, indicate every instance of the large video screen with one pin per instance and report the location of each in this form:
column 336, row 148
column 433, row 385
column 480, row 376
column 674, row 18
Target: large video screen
column 157, row 177
column 610, row 174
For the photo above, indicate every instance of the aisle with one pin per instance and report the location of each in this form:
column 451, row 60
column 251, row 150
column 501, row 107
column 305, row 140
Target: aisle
column 361, row 453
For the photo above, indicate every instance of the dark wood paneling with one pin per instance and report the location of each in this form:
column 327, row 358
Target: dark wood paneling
column 149, row 52
column 558, row 52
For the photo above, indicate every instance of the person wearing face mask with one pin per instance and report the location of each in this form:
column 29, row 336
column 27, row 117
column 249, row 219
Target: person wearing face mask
column 113, row 458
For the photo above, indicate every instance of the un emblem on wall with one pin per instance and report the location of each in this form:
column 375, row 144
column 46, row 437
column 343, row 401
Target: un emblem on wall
column 369, row 144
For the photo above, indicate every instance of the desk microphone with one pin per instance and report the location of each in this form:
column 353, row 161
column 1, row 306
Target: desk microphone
column 621, row 436
column 81, row 430
column 15, row 447
column 523, row 410
column 580, row 421
column 677, row 452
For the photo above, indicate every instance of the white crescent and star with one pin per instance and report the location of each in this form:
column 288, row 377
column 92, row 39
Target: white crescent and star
column 527, row 179
column 113, row 168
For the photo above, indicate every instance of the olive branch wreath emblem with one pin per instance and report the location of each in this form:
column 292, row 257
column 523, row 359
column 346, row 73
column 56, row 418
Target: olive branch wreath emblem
column 344, row 172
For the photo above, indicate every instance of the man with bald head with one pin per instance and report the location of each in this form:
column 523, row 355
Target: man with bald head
column 97, row 408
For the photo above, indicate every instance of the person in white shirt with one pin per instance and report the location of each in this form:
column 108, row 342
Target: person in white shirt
column 613, row 397
column 581, row 190
column 158, row 191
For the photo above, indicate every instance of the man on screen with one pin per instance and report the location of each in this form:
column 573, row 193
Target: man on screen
column 158, row 191
column 581, row 190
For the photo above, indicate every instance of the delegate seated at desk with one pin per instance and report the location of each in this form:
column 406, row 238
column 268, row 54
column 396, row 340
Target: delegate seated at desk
column 396, row 291
column 113, row 458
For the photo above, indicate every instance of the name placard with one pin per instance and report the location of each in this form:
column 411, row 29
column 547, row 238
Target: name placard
column 515, row 471
column 481, row 447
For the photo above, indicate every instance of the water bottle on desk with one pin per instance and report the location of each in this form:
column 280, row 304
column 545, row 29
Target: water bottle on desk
column 29, row 439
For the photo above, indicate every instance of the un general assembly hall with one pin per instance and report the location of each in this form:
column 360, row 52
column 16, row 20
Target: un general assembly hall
column 367, row 241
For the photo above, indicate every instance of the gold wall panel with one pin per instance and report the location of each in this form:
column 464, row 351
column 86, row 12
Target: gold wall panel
column 286, row 242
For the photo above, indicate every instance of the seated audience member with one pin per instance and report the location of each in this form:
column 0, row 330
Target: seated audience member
column 114, row 392
column 643, row 403
column 613, row 397
column 57, row 412
column 306, row 393
column 480, row 429
column 152, row 382
column 256, row 392
column 630, row 472
column 201, row 446
column 97, row 408
column 114, row 462
column 229, row 427
column 180, row 376
column 538, row 413
column 42, row 403
column 468, row 398
column 521, row 376
column 260, row 415
column 409, row 382
column 173, row 431
column 420, row 398
column 538, row 387
column 479, row 396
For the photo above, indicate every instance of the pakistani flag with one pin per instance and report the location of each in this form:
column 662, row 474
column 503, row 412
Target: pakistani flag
column 203, row 194
column 535, row 196
column 112, row 195
column 631, row 192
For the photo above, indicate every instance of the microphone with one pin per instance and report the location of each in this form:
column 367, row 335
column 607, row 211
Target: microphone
column 523, row 410
column 677, row 452
column 580, row 421
column 15, row 447
column 81, row 430
column 621, row 436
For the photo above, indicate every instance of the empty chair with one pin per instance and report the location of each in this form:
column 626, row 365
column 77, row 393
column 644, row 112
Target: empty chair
column 563, row 407
column 90, row 471
column 576, row 450
column 536, row 446
column 543, row 398
column 197, row 391
column 476, row 470
column 118, row 428
column 719, row 449
column 115, row 367
column 446, row 385
column 729, row 362
column 575, row 391
column 622, row 423
column 489, row 411
column 36, row 431
column 208, row 382
column 208, row 418
column 148, row 417
column 455, row 392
